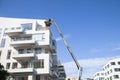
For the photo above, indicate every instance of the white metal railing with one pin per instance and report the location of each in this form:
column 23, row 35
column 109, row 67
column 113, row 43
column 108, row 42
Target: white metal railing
column 21, row 39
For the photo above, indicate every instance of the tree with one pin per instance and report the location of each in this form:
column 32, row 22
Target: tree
column 3, row 73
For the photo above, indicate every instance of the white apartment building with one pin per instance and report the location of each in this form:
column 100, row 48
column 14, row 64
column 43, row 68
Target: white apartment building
column 71, row 78
column 76, row 78
column 111, row 71
column 28, row 50
column 99, row 75
column 87, row 79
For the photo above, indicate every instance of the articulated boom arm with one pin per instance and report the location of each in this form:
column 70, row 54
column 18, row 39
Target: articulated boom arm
column 69, row 49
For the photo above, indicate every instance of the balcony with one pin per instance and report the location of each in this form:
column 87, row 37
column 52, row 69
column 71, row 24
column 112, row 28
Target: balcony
column 42, row 28
column 24, row 56
column 53, row 46
column 54, row 74
column 14, row 32
column 53, row 49
column 22, row 43
column 21, row 70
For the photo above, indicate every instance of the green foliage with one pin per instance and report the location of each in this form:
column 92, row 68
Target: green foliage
column 3, row 73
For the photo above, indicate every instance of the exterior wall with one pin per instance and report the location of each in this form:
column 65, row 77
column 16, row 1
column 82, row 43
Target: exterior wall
column 30, row 49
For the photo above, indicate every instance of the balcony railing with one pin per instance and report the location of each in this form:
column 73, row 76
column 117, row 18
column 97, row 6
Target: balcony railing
column 21, row 70
column 14, row 31
column 53, row 46
column 24, row 56
column 22, row 42
column 54, row 74
column 42, row 28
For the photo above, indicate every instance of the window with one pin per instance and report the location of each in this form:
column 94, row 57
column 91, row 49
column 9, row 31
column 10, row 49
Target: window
column 107, row 72
column 108, row 66
column 105, row 67
column 0, row 54
column 12, row 28
column 112, row 63
column 117, row 69
column 45, row 77
column 39, row 37
column 116, row 76
column 4, row 34
column 42, row 63
column 101, row 78
column 118, row 63
column 21, row 51
column 36, row 64
column 53, row 43
column 37, row 77
column 110, row 77
column 20, row 38
column 102, row 73
column 9, row 54
column 38, row 27
column 110, row 70
column 18, row 28
column 27, row 26
column 8, row 66
column 29, row 50
column 39, row 63
column 37, row 50
column 20, row 78
column 14, row 65
column 25, row 64
column 0, row 31
column 2, row 43
column 98, row 74
column 6, row 29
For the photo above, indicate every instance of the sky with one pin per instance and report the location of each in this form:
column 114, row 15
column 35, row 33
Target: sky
column 91, row 28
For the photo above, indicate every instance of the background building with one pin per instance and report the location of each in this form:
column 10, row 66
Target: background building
column 87, row 79
column 99, row 75
column 71, row 78
column 111, row 71
column 28, row 50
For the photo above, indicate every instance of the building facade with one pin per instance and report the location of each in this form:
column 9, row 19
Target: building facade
column 71, row 78
column 111, row 71
column 99, row 75
column 87, row 79
column 28, row 50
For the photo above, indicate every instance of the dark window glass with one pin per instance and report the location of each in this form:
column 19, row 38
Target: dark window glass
column 116, row 76
column 39, row 64
column 9, row 54
column 37, row 50
column 27, row 26
column 117, row 69
column 8, row 66
column 0, row 54
column 14, row 65
column 112, row 63
column 37, row 77
column 3, row 43
column 29, row 50
column 0, row 30
column 118, row 63
column 21, row 51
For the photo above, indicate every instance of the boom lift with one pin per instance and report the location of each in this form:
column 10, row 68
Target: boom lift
column 50, row 21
